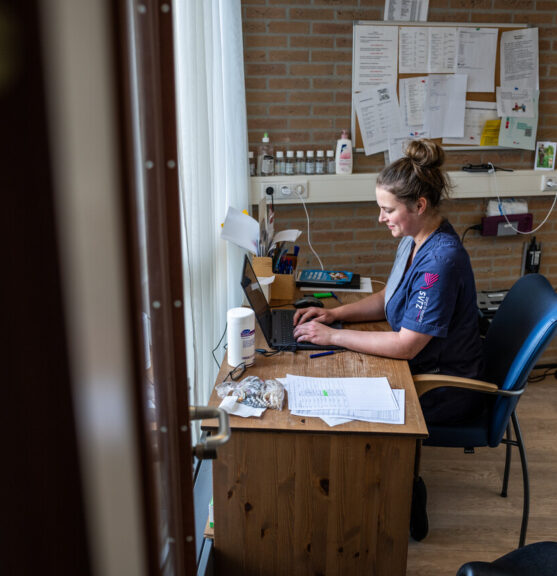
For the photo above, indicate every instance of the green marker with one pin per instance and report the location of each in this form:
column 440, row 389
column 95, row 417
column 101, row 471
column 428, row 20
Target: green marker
column 323, row 294
column 325, row 393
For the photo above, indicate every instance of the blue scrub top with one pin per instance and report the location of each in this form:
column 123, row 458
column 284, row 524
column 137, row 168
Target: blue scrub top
column 437, row 296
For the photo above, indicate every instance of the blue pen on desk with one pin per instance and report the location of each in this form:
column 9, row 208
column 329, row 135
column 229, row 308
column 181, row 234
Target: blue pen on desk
column 319, row 354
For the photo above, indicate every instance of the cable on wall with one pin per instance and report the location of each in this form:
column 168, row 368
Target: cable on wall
column 492, row 171
column 307, row 217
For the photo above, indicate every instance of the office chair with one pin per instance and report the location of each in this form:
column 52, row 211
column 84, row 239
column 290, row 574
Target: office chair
column 521, row 329
column 539, row 559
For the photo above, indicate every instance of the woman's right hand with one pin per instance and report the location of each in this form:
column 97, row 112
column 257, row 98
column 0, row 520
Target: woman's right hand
column 323, row 315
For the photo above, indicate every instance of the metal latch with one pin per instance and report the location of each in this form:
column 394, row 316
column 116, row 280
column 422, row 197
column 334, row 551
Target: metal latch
column 207, row 450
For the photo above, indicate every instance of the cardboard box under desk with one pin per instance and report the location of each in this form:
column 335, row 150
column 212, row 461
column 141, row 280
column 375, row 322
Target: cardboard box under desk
column 283, row 286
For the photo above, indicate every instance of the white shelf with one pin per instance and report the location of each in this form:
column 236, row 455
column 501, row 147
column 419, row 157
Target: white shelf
column 361, row 187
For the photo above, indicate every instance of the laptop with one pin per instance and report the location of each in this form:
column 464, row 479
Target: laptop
column 277, row 325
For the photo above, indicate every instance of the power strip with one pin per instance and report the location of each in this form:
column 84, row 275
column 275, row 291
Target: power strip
column 285, row 190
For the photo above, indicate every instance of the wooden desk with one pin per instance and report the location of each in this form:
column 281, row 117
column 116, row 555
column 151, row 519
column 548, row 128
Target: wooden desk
column 294, row 496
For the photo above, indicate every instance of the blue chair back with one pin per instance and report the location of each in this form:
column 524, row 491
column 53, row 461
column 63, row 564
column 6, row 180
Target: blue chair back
column 520, row 331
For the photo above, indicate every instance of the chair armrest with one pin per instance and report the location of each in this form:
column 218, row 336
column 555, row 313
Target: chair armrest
column 426, row 382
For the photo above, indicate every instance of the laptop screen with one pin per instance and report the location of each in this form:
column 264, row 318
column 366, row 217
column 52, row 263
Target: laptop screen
column 256, row 299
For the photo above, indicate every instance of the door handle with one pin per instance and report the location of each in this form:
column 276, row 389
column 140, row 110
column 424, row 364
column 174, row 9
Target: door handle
column 207, row 450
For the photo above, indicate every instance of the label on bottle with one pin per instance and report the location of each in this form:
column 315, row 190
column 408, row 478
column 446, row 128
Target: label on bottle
column 345, row 152
column 267, row 165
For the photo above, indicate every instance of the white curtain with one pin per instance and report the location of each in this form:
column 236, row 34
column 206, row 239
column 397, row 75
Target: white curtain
column 213, row 168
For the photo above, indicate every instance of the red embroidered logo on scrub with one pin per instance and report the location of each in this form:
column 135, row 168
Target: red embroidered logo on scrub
column 430, row 280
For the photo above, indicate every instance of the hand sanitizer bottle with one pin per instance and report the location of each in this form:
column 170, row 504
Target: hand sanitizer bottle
column 344, row 154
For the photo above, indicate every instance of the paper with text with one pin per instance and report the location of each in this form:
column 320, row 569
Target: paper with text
column 516, row 101
column 406, row 10
column 519, row 132
column 476, row 114
column 323, row 394
column 445, row 105
column 375, row 56
column 381, row 416
column 520, row 58
column 477, row 49
column 379, row 115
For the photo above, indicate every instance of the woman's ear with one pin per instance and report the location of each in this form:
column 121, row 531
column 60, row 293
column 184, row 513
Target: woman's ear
column 421, row 205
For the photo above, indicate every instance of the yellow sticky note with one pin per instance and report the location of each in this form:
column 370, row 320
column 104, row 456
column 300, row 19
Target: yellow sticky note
column 490, row 133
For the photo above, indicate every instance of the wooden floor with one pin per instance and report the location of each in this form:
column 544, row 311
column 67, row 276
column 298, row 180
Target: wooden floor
column 468, row 520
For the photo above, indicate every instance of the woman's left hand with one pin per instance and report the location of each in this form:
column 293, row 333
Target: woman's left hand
column 315, row 332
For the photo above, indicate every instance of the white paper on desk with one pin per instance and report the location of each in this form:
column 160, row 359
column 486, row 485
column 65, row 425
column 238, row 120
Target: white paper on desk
column 381, row 416
column 234, row 408
column 477, row 48
column 445, row 105
column 241, row 229
column 378, row 115
column 476, row 114
column 520, row 58
column 321, row 395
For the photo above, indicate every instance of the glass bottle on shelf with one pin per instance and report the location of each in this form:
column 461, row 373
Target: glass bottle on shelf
column 310, row 162
column 320, row 162
column 290, row 164
column 300, row 162
column 279, row 163
column 331, row 166
column 252, row 166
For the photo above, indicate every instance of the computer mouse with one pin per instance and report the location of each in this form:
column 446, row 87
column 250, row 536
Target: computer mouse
column 307, row 301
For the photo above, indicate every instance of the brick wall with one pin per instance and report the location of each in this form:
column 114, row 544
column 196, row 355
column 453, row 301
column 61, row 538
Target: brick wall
column 298, row 72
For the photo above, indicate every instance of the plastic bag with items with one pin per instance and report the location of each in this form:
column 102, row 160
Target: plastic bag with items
column 254, row 392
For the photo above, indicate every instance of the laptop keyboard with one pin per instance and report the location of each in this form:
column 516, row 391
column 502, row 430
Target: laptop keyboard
column 285, row 321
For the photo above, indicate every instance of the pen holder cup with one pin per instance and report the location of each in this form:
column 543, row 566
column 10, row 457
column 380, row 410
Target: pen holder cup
column 284, row 286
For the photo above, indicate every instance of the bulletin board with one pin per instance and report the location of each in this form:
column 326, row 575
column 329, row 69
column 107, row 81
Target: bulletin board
column 473, row 96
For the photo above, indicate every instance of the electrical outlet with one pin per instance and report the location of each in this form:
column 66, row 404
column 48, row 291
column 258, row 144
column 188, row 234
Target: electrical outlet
column 549, row 184
column 285, row 190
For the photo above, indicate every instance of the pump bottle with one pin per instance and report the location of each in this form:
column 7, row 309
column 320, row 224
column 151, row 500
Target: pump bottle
column 344, row 154
column 266, row 157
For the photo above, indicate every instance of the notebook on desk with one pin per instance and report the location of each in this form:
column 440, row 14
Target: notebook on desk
column 277, row 325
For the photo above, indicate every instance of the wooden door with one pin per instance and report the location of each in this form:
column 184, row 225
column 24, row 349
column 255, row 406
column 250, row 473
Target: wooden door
column 152, row 207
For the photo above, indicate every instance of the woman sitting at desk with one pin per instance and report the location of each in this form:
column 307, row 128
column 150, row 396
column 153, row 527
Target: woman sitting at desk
column 430, row 297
